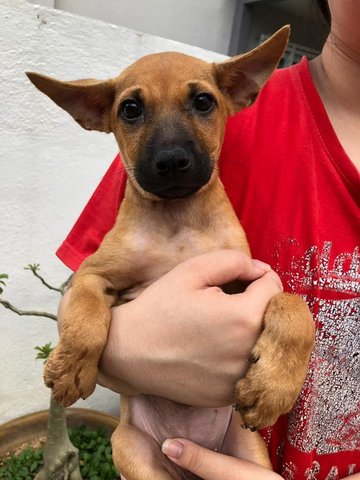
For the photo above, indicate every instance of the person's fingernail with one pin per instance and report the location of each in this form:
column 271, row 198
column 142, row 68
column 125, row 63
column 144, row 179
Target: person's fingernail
column 261, row 265
column 172, row 448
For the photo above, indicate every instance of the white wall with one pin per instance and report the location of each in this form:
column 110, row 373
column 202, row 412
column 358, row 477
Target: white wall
column 48, row 169
column 203, row 23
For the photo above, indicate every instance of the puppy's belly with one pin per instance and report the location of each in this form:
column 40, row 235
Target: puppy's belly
column 163, row 419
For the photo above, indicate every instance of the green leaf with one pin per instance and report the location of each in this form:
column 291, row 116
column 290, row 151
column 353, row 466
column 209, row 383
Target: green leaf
column 24, row 471
column 34, row 267
column 34, row 466
column 44, row 351
column 3, row 275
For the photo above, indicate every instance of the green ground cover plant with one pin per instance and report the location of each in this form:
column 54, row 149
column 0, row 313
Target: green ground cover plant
column 95, row 457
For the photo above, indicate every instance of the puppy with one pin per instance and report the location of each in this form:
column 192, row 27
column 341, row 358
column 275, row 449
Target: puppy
column 168, row 113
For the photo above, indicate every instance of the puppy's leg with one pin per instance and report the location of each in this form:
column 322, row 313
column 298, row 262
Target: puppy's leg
column 244, row 444
column 71, row 369
column 279, row 362
column 136, row 455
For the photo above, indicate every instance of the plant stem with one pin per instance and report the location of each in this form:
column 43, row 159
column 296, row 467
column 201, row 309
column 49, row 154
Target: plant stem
column 44, row 282
column 61, row 461
column 32, row 313
column 63, row 286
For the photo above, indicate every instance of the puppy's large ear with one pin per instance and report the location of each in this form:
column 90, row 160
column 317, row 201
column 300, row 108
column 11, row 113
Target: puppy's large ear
column 242, row 77
column 88, row 101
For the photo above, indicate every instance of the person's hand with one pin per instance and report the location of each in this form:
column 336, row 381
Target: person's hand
column 210, row 465
column 183, row 338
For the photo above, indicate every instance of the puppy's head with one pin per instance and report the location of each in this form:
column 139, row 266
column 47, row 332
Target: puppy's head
column 168, row 112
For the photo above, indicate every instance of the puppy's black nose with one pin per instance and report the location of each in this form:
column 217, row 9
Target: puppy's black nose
column 172, row 161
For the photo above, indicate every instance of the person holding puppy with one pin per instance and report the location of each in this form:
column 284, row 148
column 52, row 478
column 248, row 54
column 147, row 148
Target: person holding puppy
column 290, row 165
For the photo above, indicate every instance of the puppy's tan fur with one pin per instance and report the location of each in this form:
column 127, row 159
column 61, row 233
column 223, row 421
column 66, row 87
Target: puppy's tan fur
column 153, row 234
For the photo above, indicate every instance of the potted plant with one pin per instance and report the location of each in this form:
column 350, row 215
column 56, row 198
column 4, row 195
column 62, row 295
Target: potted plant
column 40, row 446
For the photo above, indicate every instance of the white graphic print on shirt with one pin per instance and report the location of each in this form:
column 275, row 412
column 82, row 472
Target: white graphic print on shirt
column 331, row 394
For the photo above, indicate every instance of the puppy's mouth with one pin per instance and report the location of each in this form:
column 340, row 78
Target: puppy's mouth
column 175, row 192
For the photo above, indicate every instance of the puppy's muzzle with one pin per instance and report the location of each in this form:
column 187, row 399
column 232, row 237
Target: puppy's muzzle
column 173, row 172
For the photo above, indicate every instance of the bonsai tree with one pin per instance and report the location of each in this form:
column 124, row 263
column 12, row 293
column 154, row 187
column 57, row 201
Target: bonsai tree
column 61, row 458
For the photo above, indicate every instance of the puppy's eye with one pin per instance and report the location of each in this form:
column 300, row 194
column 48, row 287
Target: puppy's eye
column 130, row 109
column 204, row 102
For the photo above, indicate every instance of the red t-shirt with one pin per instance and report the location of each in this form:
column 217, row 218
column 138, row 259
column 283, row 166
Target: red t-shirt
column 297, row 195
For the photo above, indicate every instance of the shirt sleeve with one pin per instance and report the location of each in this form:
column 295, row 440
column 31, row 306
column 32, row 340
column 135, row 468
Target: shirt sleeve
column 97, row 218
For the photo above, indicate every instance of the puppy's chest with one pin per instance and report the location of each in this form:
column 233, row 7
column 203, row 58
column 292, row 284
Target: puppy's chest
column 173, row 247
column 152, row 252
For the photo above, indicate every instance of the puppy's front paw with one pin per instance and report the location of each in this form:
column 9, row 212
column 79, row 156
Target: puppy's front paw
column 71, row 375
column 265, row 392
column 279, row 362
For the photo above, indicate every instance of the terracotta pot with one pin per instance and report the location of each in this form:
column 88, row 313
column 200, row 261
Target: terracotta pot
column 28, row 428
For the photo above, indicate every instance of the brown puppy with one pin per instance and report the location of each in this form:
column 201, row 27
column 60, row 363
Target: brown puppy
column 168, row 113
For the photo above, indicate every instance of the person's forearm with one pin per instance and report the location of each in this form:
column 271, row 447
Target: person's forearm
column 183, row 330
